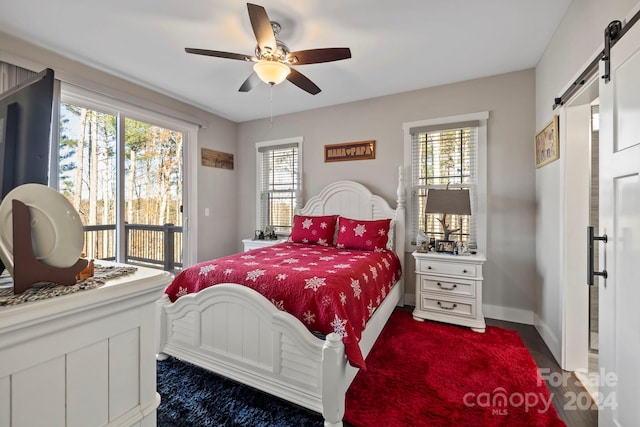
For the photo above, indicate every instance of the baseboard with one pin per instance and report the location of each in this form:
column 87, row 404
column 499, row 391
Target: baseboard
column 508, row 314
column 549, row 338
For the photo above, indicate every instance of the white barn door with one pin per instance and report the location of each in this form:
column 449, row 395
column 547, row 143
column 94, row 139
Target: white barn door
column 619, row 344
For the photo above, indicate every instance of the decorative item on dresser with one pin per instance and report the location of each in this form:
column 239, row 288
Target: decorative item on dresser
column 449, row 289
column 40, row 237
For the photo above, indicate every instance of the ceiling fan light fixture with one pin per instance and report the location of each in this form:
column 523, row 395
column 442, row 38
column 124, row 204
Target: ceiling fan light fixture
column 271, row 72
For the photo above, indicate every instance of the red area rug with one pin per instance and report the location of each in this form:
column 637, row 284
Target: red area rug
column 432, row 374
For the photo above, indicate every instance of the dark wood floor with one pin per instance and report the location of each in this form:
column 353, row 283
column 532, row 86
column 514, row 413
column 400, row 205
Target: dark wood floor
column 569, row 396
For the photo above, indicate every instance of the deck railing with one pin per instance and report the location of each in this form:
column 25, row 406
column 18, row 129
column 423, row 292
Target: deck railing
column 156, row 246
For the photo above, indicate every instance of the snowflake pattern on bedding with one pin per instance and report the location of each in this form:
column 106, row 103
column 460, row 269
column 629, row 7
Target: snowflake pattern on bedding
column 328, row 289
column 205, row 269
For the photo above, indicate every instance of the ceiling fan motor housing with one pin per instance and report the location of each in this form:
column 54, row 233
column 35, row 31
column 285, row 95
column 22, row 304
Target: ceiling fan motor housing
column 281, row 52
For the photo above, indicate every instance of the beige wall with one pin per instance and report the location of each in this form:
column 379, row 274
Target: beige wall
column 216, row 187
column 509, row 98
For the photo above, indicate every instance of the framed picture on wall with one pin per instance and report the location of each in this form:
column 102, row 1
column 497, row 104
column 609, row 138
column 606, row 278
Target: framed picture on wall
column 546, row 143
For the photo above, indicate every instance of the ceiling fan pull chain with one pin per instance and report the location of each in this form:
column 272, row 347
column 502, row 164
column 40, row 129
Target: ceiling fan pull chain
column 271, row 105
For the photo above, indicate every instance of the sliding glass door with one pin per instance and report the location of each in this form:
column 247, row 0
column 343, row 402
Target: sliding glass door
column 88, row 174
column 125, row 177
column 153, row 194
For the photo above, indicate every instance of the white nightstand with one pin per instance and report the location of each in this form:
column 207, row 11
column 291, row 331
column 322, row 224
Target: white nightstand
column 449, row 289
column 255, row 244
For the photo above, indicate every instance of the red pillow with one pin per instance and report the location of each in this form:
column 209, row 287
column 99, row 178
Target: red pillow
column 361, row 234
column 318, row 230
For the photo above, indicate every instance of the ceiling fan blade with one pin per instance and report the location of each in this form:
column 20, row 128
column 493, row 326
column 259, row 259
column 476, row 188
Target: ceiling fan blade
column 315, row 56
column 300, row 80
column 261, row 25
column 219, row 54
column 252, row 81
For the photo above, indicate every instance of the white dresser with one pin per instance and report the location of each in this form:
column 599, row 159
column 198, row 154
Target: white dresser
column 84, row 359
column 449, row 289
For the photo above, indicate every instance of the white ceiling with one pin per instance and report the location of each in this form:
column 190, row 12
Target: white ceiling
column 396, row 46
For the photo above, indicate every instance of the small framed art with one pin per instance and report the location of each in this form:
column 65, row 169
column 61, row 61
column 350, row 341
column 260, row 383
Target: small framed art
column 546, row 143
column 445, row 246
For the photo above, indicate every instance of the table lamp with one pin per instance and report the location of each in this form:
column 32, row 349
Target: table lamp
column 455, row 202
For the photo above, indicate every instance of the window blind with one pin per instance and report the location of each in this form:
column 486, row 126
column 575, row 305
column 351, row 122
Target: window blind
column 444, row 156
column 279, row 185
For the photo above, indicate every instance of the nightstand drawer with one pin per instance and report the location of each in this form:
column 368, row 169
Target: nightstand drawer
column 448, row 268
column 461, row 288
column 445, row 306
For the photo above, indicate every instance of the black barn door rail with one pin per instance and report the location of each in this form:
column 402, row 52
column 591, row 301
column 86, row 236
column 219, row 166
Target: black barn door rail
column 612, row 34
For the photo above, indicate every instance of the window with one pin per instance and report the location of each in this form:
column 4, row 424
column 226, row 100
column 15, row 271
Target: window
column 278, row 170
column 122, row 169
column 448, row 152
column 127, row 152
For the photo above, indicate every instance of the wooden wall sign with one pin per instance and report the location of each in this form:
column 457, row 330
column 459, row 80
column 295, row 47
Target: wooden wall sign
column 217, row 159
column 361, row 150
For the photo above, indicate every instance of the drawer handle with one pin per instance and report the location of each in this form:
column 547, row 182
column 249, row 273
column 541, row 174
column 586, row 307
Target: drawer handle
column 429, row 268
column 451, row 307
column 465, row 271
column 447, row 289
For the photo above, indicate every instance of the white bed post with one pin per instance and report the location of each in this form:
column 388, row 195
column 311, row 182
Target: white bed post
column 400, row 219
column 161, row 329
column 333, row 362
column 298, row 204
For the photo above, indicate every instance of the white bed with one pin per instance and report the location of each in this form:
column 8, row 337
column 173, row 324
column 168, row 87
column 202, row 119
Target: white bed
column 234, row 331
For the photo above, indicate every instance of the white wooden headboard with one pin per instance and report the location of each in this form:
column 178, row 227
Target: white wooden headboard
column 353, row 200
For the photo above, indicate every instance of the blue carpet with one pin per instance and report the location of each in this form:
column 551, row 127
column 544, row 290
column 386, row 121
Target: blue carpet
column 192, row 396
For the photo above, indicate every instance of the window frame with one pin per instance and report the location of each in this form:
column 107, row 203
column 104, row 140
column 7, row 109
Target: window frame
column 104, row 96
column 70, row 93
column 481, row 168
column 259, row 174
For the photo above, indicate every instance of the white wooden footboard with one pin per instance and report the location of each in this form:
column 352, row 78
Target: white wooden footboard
column 234, row 331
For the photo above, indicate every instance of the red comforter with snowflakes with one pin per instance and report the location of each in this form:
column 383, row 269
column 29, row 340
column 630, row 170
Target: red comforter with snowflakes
column 329, row 289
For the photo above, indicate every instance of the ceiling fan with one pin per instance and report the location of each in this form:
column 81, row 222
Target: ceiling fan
column 273, row 59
